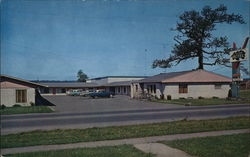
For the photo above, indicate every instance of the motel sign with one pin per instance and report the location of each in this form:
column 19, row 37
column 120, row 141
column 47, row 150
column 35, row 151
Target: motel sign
column 238, row 55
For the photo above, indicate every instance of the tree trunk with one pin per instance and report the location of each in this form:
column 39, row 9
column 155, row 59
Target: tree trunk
column 200, row 60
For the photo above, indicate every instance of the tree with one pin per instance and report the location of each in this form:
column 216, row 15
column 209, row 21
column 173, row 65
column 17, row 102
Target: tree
column 195, row 38
column 82, row 77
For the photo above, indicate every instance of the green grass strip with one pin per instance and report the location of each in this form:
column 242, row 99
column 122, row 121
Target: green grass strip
column 245, row 93
column 202, row 102
column 121, row 132
column 218, row 146
column 25, row 110
column 115, row 151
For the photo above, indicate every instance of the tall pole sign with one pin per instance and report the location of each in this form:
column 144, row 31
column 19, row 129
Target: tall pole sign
column 236, row 57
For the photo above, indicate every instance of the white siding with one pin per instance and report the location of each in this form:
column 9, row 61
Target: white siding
column 8, row 96
column 134, row 93
column 195, row 91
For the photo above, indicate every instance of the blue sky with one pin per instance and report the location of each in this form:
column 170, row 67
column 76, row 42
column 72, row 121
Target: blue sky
column 53, row 39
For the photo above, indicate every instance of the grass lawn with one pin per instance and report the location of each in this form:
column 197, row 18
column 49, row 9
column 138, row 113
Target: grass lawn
column 203, row 102
column 121, row 132
column 219, row 146
column 245, row 94
column 25, row 110
column 115, row 151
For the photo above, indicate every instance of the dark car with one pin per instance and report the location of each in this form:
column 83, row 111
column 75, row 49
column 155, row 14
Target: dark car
column 101, row 94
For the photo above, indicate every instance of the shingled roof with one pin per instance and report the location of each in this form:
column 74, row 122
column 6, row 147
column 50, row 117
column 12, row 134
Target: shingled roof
column 162, row 76
column 193, row 76
column 4, row 78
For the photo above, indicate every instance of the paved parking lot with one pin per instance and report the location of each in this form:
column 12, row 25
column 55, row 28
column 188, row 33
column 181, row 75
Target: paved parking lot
column 85, row 104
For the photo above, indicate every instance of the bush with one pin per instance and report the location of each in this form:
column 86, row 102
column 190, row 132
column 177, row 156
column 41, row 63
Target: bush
column 182, row 98
column 162, row 96
column 169, row 97
column 200, row 97
column 215, row 97
column 229, row 95
column 16, row 105
column 3, row 106
column 32, row 103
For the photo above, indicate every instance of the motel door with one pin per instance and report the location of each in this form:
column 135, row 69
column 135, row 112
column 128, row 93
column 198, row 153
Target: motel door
column 112, row 89
column 54, row 91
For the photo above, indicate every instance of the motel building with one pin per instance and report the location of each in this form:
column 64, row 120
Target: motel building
column 18, row 91
column 186, row 84
column 120, row 85
column 175, row 85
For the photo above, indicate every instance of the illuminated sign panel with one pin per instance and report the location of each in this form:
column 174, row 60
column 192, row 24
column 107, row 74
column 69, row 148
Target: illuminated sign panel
column 238, row 55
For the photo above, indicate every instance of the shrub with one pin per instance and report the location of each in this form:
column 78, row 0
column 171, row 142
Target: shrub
column 215, row 97
column 190, row 98
column 200, row 97
column 32, row 103
column 229, row 95
column 169, row 97
column 3, row 106
column 182, row 98
column 162, row 96
column 16, row 105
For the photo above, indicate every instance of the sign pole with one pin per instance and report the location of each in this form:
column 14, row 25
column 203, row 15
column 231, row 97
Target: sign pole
column 235, row 75
column 236, row 71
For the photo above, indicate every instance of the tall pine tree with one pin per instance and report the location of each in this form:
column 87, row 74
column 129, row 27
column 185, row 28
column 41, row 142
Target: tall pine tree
column 195, row 38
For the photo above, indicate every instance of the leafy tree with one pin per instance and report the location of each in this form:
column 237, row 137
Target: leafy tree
column 82, row 77
column 195, row 38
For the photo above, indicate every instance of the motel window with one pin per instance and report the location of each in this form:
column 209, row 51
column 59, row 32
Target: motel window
column 151, row 88
column 63, row 90
column 124, row 90
column 183, row 88
column 217, row 86
column 21, row 96
column 136, row 88
column 46, row 90
column 119, row 89
column 154, row 88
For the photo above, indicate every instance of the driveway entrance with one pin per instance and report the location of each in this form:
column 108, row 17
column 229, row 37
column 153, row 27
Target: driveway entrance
column 118, row 103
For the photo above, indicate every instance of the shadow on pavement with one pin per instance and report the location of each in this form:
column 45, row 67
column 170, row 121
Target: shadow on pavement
column 41, row 101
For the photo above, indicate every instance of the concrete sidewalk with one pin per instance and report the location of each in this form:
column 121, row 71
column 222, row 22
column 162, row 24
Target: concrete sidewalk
column 120, row 142
column 161, row 150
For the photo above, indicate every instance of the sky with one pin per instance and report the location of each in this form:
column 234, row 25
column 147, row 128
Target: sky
column 53, row 39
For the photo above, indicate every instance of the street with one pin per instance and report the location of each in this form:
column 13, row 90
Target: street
column 156, row 113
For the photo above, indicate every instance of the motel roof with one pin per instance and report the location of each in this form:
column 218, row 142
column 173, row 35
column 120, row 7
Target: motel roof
column 99, row 78
column 83, row 84
column 18, row 80
column 120, row 83
column 192, row 76
column 69, row 84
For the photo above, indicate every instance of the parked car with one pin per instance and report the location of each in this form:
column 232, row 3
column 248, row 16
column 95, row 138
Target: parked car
column 75, row 93
column 86, row 93
column 101, row 94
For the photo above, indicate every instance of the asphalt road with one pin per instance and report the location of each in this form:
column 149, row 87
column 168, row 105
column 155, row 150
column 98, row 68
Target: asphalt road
column 69, row 120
